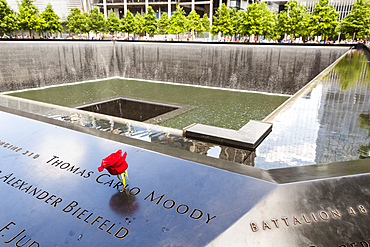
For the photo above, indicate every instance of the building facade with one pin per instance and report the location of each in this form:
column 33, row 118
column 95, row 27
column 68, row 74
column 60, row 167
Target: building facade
column 61, row 7
column 209, row 7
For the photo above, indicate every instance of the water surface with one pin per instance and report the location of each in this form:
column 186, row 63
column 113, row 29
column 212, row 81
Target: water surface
column 221, row 108
column 328, row 123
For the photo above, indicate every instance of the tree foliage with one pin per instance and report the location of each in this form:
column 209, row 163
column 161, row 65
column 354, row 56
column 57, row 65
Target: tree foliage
column 163, row 24
column 357, row 22
column 178, row 22
column 129, row 24
column 113, row 23
column 85, row 24
column 269, row 20
column 138, row 23
column 194, row 22
column 222, row 22
column 8, row 21
column 76, row 21
column 205, row 23
column 323, row 20
column 256, row 19
column 235, row 17
column 28, row 16
column 150, row 21
column 252, row 19
column 50, row 20
column 294, row 19
column 97, row 21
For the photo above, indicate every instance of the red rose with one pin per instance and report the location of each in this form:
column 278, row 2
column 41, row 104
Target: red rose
column 114, row 163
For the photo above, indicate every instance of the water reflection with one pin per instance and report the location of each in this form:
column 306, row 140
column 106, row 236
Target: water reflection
column 364, row 123
column 353, row 69
column 323, row 125
column 217, row 151
column 328, row 123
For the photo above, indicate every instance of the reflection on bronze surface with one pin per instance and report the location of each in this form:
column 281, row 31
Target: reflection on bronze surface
column 124, row 203
column 238, row 155
column 227, row 153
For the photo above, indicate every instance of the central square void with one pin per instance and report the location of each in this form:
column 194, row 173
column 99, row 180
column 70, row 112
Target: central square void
column 137, row 110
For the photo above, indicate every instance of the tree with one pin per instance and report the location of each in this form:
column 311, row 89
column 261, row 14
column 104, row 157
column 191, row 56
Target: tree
column 163, row 24
column 235, row 17
column 194, row 23
column 150, row 21
column 77, row 22
column 222, row 22
column 41, row 25
column 294, row 19
column 51, row 21
column 27, row 17
column 178, row 22
column 113, row 23
column 357, row 23
column 7, row 18
column 283, row 26
column 205, row 23
column 269, row 20
column 138, row 23
column 129, row 24
column 97, row 21
column 85, row 24
column 252, row 20
column 323, row 20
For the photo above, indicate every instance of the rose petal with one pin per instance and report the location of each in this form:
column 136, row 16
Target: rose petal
column 115, row 163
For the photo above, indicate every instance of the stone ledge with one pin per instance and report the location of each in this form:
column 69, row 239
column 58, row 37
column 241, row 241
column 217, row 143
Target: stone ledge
column 248, row 137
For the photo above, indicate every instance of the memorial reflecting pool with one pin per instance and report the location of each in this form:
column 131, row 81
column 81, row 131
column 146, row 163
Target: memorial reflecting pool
column 221, row 108
column 328, row 122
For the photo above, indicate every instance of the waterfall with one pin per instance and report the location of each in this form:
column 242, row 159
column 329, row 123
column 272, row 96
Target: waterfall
column 272, row 68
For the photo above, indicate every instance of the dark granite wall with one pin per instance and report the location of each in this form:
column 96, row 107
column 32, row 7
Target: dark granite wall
column 275, row 69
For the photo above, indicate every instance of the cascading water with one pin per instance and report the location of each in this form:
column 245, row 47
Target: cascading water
column 274, row 69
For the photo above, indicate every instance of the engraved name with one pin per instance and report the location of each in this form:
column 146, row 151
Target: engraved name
column 29, row 189
column 276, row 223
column 68, row 167
column 55, row 201
column 100, row 222
column 22, row 240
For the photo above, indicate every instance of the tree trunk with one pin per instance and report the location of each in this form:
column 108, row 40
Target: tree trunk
column 354, row 35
